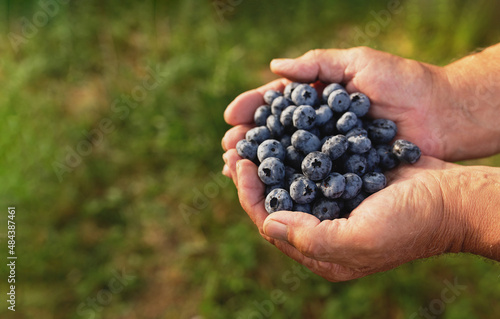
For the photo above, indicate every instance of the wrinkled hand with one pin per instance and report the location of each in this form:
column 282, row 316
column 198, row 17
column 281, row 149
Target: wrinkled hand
column 414, row 217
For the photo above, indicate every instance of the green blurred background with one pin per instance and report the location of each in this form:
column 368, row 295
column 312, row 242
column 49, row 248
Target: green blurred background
column 141, row 224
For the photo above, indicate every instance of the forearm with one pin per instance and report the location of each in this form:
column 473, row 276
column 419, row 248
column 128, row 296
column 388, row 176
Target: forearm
column 473, row 206
column 475, row 85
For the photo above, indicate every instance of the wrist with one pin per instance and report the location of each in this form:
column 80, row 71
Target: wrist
column 473, row 96
column 472, row 206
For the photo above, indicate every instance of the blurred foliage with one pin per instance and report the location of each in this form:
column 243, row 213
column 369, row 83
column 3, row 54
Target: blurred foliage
column 146, row 204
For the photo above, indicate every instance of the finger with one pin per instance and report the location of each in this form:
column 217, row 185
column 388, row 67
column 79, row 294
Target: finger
column 241, row 110
column 329, row 240
column 234, row 135
column 324, row 65
column 251, row 192
column 230, row 158
column 330, row 271
column 225, row 171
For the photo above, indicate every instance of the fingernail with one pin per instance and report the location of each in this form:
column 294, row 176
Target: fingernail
column 279, row 63
column 276, row 230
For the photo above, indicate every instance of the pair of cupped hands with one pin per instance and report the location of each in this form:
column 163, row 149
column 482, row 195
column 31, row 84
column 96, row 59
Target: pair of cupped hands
column 429, row 208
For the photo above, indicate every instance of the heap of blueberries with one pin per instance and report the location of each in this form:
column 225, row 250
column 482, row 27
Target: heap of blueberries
column 321, row 154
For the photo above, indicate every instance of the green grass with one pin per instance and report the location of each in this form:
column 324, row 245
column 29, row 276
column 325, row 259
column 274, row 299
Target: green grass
column 148, row 200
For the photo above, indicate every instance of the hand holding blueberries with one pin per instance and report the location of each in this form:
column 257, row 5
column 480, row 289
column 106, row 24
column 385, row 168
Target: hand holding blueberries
column 428, row 208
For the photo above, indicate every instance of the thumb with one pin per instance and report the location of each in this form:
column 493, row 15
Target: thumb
column 314, row 239
column 328, row 66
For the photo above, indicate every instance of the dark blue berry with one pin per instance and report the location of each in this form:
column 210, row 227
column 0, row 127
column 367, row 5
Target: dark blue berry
column 305, row 141
column 247, row 149
column 355, row 164
column 316, row 166
column 271, row 171
column 360, row 104
column 304, row 94
column 275, row 127
column 382, row 131
column 323, row 115
column 261, row 114
column 270, row 148
column 387, row 159
column 353, row 184
column 303, row 190
column 339, row 101
column 335, row 146
column 326, row 209
column 258, row 134
column 359, row 144
column 333, row 186
column 270, row 95
column 278, row 199
column 373, row 182
column 347, row 122
column 406, row 151
column 304, row 117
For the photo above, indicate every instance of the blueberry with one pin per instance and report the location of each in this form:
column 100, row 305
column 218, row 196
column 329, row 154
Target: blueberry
column 360, row 104
column 304, row 117
column 305, row 141
column 247, row 149
column 347, row 122
column 359, row 144
column 305, row 208
column 382, row 131
column 303, row 191
column 355, row 164
column 326, row 209
column 323, row 115
column 373, row 182
column 258, row 134
column 316, row 166
column 289, row 88
column 261, row 114
column 333, row 186
column 406, row 151
column 286, row 117
column 278, row 199
column 339, row 101
column 387, row 159
column 279, row 104
column 293, row 158
column 271, row 171
column 274, row 125
column 357, row 131
column 270, row 148
column 270, row 95
column 372, row 160
column 353, row 184
column 329, row 89
column 335, row 146
column 304, row 94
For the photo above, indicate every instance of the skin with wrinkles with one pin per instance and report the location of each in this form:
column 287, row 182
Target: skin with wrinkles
column 429, row 208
